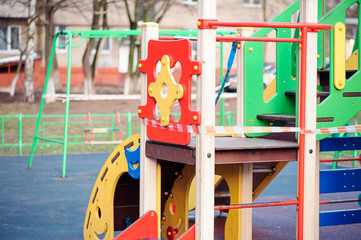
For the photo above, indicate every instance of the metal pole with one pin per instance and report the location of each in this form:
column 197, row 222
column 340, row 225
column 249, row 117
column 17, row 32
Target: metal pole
column 66, row 122
column 229, row 118
column 20, row 134
column 2, row 130
column 35, row 141
column 221, row 81
column 355, row 159
column 256, row 205
column 129, row 122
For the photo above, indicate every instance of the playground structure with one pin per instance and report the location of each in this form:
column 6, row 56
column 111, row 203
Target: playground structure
column 150, row 175
column 169, row 160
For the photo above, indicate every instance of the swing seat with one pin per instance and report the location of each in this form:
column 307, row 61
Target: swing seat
column 103, row 142
column 102, row 130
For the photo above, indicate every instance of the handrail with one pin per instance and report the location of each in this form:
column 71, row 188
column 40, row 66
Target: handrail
column 315, row 26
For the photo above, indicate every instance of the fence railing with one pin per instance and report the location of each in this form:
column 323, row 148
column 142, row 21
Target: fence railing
column 17, row 131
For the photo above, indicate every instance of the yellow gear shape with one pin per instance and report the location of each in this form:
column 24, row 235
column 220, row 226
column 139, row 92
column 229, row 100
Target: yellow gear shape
column 165, row 90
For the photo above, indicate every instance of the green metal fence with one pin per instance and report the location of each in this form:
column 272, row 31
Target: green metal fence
column 17, row 131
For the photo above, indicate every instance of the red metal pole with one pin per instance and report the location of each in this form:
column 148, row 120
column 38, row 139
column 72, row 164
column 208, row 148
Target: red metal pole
column 340, row 160
column 270, row 25
column 256, row 205
column 275, row 204
column 302, row 123
column 234, row 38
column 341, row 201
column 256, row 39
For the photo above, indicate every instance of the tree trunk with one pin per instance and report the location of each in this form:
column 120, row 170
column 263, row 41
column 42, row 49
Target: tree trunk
column 88, row 87
column 264, row 10
column 16, row 77
column 151, row 10
column 130, row 76
column 136, row 75
column 89, row 66
column 29, row 53
column 54, row 81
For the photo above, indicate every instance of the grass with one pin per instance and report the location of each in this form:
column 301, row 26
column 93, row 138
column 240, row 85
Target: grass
column 54, row 128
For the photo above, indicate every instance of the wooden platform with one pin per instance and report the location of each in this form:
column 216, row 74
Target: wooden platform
column 228, row 151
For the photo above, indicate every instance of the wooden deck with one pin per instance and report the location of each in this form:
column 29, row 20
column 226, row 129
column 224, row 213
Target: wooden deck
column 228, row 151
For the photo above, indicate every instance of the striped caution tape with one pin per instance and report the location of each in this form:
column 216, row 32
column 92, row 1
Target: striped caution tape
column 82, row 97
column 241, row 130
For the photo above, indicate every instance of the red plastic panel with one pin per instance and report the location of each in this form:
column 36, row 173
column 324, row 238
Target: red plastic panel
column 190, row 234
column 178, row 51
column 145, row 227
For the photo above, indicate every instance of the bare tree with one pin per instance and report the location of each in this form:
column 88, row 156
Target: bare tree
column 90, row 62
column 25, row 50
column 29, row 52
column 47, row 9
column 141, row 11
column 42, row 12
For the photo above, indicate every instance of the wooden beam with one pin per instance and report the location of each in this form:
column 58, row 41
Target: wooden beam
column 206, row 52
column 247, row 168
column 148, row 167
column 308, row 9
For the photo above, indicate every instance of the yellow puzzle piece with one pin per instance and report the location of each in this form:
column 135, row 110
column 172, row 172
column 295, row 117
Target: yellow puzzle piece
column 165, row 90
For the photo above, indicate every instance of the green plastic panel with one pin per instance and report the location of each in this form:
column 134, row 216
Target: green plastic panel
column 341, row 108
column 253, row 74
column 287, row 66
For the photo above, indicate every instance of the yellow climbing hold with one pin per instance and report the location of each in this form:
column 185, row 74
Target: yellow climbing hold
column 165, row 90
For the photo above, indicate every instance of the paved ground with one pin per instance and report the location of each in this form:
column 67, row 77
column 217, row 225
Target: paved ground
column 38, row 204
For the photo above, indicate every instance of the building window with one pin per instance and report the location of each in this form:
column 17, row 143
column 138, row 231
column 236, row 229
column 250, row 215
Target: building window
column 62, row 39
column 189, row 2
column 9, row 37
column 252, row 3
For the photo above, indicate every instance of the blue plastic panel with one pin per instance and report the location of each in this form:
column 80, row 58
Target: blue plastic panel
column 340, row 180
column 133, row 158
column 340, row 144
column 340, row 217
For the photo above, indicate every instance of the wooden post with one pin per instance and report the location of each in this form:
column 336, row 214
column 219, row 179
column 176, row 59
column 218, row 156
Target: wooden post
column 247, row 168
column 206, row 51
column 309, row 225
column 148, row 167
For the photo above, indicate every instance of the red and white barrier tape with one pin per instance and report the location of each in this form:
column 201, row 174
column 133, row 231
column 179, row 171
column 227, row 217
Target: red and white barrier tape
column 269, row 67
column 240, row 130
column 82, row 97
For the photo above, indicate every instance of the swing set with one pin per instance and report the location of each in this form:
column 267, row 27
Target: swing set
column 91, row 130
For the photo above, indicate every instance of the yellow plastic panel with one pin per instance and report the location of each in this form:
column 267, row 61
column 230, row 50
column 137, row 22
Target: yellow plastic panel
column 270, row 91
column 99, row 218
column 192, row 191
column 165, row 90
column 176, row 207
column 352, row 61
column 340, row 56
column 232, row 173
